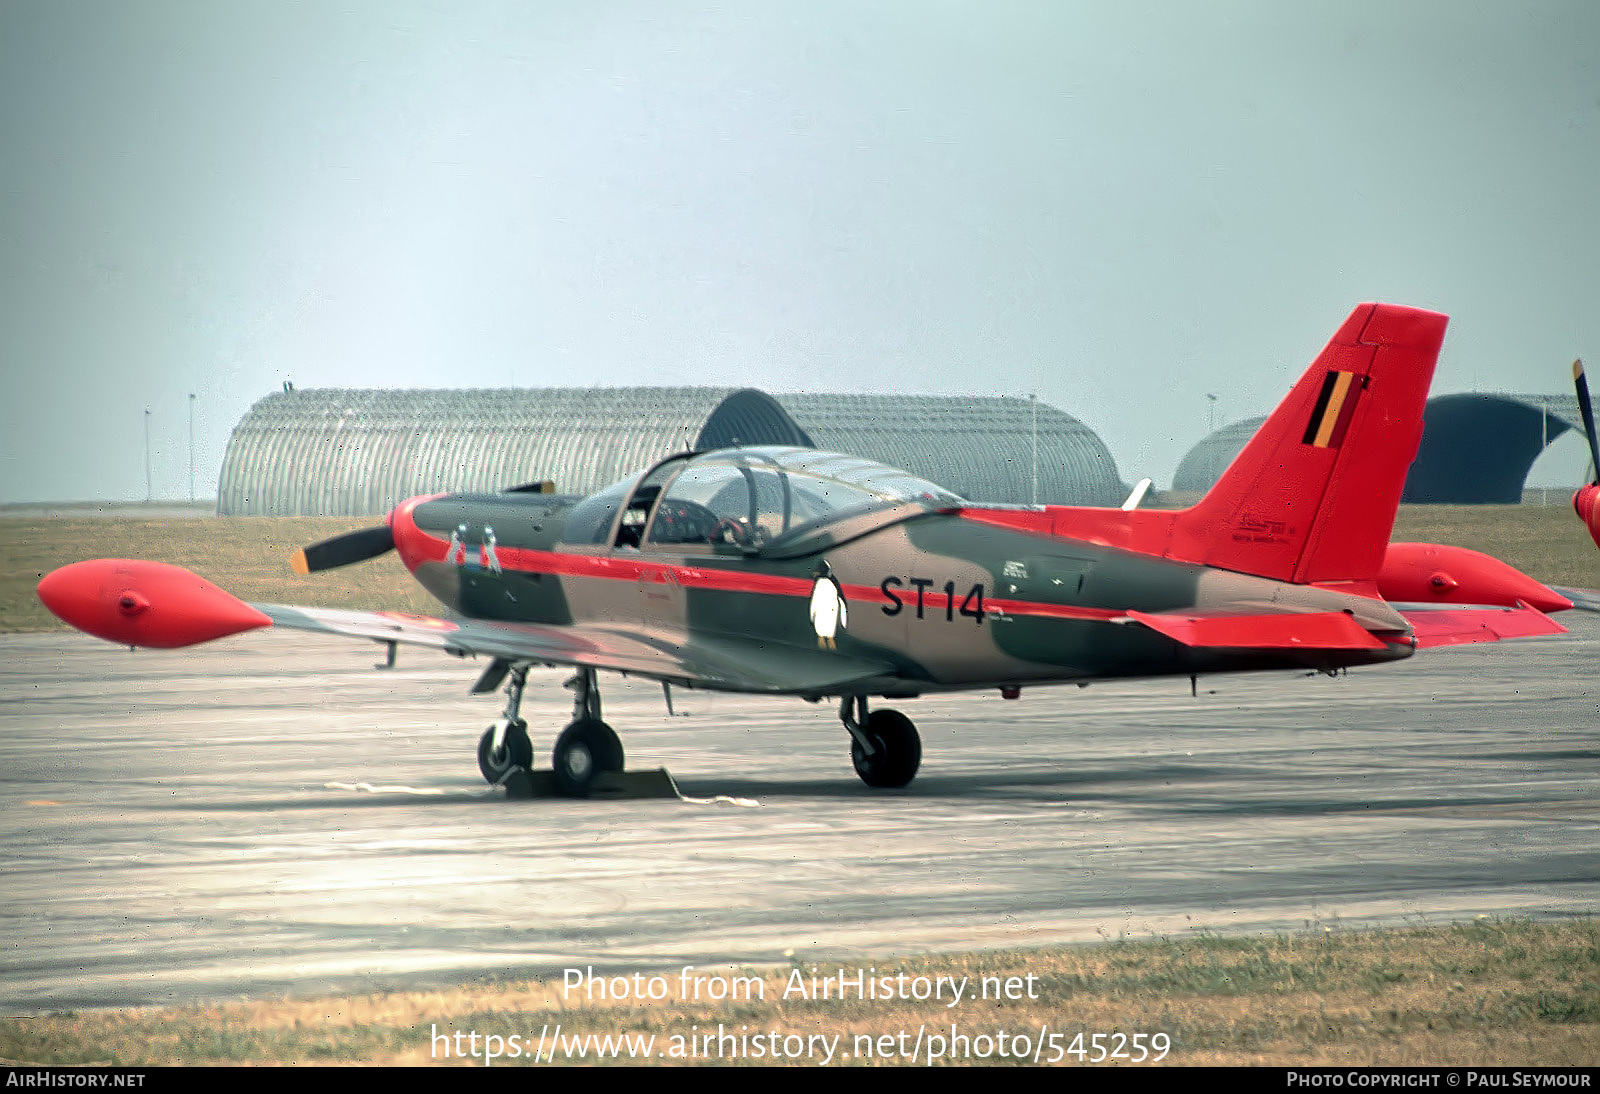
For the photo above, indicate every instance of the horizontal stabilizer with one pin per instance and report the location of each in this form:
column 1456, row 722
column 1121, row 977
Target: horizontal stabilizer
column 1453, row 626
column 1276, row 631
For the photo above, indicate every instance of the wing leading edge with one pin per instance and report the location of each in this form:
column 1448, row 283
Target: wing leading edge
column 156, row 605
column 707, row 663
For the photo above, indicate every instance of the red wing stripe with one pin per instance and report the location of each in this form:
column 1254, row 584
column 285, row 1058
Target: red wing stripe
column 1308, row 631
column 1049, row 611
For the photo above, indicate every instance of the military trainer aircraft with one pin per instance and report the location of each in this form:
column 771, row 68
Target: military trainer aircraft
column 789, row 571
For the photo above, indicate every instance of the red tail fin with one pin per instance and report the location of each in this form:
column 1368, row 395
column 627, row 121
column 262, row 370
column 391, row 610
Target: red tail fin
column 1312, row 497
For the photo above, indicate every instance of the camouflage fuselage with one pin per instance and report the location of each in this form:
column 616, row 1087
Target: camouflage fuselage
column 940, row 600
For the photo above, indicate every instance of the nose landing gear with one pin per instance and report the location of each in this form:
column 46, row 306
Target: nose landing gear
column 505, row 747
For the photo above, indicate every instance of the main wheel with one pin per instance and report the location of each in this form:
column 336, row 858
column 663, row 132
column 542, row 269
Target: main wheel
column 515, row 751
column 585, row 749
column 898, row 750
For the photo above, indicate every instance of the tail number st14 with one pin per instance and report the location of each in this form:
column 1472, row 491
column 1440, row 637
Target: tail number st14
column 898, row 595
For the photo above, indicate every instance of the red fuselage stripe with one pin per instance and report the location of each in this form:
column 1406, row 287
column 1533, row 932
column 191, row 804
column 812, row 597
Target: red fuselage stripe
column 421, row 547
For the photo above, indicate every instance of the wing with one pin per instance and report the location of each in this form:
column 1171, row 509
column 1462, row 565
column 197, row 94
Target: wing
column 137, row 603
column 720, row 664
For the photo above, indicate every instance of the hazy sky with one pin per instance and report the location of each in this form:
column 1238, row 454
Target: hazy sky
column 1118, row 206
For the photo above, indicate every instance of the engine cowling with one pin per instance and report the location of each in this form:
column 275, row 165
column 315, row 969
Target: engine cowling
column 1587, row 503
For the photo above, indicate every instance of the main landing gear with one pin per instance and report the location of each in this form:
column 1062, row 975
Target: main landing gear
column 587, row 746
column 585, row 749
column 884, row 746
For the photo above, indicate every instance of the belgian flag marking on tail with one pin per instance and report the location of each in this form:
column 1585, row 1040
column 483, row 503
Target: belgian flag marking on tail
column 1335, row 406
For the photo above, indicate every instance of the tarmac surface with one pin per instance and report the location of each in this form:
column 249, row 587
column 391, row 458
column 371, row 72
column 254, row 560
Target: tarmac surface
column 273, row 815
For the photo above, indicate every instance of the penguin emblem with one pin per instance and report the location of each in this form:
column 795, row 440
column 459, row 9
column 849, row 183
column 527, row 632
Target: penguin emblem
column 828, row 610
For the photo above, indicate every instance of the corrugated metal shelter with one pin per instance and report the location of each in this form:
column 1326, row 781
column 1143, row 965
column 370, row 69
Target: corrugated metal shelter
column 1476, row 448
column 996, row 450
column 1204, row 464
column 360, row 452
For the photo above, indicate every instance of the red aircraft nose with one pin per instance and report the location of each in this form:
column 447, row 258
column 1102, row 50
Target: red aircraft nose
column 145, row 603
column 1587, row 502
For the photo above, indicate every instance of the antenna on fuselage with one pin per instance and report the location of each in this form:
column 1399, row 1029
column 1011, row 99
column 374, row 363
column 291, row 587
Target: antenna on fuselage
column 1136, row 497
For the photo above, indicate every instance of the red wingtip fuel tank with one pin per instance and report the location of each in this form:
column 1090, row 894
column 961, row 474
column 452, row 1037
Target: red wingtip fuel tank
column 1587, row 502
column 145, row 603
column 1421, row 573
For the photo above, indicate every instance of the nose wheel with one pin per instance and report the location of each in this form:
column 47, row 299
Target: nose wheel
column 499, row 758
column 504, row 747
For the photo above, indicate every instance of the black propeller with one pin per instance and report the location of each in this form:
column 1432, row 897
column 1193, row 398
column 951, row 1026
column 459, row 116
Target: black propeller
column 1587, row 410
column 357, row 546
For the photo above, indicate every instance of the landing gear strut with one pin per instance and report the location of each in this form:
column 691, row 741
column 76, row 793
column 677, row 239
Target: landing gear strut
column 884, row 746
column 588, row 746
column 505, row 747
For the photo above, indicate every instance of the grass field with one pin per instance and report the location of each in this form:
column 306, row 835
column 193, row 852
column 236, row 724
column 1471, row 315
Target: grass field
column 248, row 556
column 1486, row 993
column 1546, row 542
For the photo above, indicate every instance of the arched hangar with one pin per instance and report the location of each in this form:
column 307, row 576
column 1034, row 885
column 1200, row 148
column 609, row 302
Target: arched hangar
column 1476, row 448
column 338, row 451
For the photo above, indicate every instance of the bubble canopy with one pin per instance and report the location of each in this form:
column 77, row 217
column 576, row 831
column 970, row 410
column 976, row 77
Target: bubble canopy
column 767, row 499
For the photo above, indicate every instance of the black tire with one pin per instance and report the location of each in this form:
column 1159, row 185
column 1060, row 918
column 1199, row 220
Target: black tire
column 516, row 751
column 585, row 748
column 898, row 751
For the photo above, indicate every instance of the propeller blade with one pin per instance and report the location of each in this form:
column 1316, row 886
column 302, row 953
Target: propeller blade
column 1587, row 410
column 357, row 546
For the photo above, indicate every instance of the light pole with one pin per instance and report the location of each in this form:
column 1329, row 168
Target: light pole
column 147, row 454
column 1033, row 405
column 191, row 448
